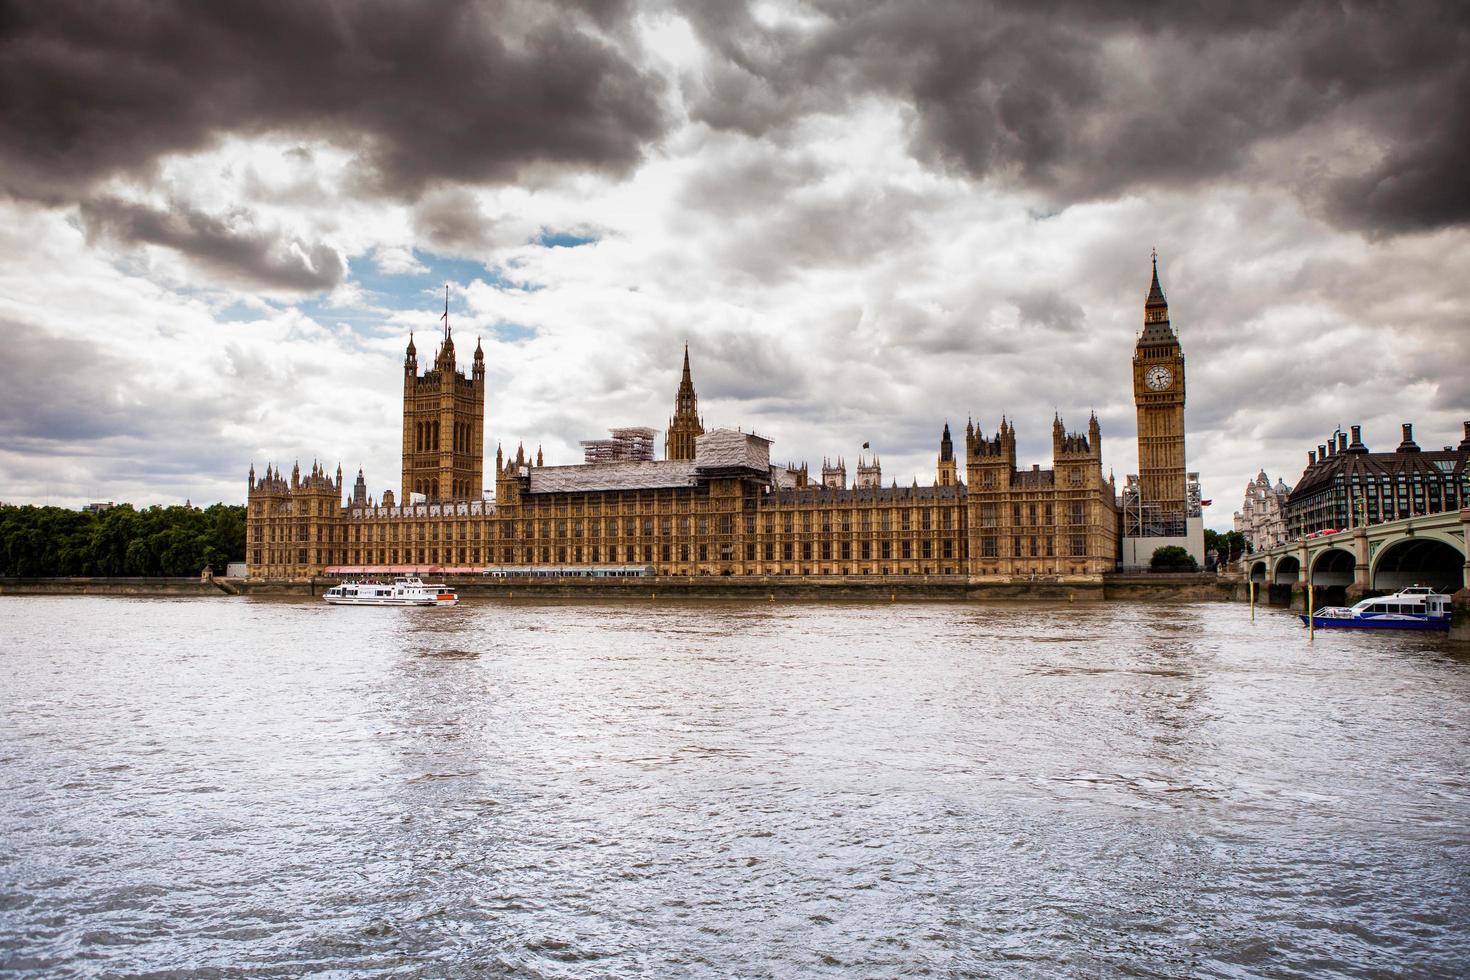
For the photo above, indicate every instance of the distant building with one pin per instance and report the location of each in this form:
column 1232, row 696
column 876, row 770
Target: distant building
column 97, row 507
column 1345, row 485
column 1262, row 517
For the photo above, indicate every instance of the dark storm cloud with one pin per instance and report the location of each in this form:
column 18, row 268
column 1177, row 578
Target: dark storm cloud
column 241, row 252
column 1084, row 101
column 452, row 219
column 422, row 92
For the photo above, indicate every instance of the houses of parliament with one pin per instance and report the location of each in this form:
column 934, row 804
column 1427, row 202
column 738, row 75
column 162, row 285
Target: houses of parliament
column 716, row 504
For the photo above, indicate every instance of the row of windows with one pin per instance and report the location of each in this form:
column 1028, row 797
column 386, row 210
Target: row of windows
column 1032, row 546
column 611, row 527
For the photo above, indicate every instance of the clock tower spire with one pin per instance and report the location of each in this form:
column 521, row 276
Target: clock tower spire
column 1158, row 394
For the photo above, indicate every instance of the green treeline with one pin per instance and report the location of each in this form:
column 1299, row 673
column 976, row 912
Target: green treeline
column 45, row 541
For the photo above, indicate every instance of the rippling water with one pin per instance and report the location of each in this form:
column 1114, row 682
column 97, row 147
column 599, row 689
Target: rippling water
column 257, row 787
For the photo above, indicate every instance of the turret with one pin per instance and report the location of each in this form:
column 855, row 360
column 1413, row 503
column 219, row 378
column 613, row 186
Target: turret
column 834, row 476
column 946, row 475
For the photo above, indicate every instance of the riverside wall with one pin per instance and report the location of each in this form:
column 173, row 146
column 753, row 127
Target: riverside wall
column 891, row 588
column 190, row 586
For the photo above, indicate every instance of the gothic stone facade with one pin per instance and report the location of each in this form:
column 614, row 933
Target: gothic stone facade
column 716, row 506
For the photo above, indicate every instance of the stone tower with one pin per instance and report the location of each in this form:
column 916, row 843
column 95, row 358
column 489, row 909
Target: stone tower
column 1158, row 393
column 686, row 424
column 443, row 424
column 945, row 476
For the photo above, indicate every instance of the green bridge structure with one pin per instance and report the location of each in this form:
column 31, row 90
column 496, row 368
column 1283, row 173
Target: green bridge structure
column 1428, row 549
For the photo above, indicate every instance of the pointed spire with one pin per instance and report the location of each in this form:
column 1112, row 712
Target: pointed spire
column 479, row 351
column 1155, row 291
column 411, row 349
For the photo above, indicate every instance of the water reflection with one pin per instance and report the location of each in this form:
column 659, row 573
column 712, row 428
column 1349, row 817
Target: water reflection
column 726, row 788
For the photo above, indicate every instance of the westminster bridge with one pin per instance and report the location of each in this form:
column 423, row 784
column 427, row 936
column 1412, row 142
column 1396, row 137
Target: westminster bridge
column 1429, row 549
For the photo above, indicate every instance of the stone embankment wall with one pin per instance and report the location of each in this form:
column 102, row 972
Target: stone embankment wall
column 892, row 588
column 191, row 586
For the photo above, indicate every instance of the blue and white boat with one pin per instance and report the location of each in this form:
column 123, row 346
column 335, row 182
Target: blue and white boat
column 1414, row 608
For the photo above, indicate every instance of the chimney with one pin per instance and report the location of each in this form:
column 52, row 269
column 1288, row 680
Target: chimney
column 1408, row 446
column 1342, row 442
column 1322, row 453
column 1311, row 458
column 1357, row 444
column 1465, row 442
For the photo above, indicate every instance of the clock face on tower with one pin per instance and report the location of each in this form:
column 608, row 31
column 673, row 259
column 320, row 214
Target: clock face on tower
column 1158, row 378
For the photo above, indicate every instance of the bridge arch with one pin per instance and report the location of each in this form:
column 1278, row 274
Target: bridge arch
column 1426, row 559
column 1287, row 571
column 1333, row 566
column 1258, row 571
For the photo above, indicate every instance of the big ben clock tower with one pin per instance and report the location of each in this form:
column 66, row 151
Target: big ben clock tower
column 1158, row 393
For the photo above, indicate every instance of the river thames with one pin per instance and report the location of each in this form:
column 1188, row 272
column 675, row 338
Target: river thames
column 272, row 787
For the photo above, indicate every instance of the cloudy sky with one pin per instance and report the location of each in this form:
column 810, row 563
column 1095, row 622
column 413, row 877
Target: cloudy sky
column 219, row 223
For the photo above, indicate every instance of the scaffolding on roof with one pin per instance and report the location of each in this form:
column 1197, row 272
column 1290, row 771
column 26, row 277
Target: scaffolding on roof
column 629, row 444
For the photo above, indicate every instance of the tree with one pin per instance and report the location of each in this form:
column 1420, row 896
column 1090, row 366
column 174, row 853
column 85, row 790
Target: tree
column 1227, row 544
column 53, row 541
column 1172, row 558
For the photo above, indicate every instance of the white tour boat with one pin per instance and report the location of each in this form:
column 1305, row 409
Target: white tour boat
column 409, row 591
column 1415, row 608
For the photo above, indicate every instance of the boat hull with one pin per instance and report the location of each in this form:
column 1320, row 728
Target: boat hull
column 365, row 601
column 1333, row 623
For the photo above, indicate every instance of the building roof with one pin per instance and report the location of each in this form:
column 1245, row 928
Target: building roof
column 723, row 451
column 1374, row 466
column 632, row 475
column 823, row 495
column 727, row 449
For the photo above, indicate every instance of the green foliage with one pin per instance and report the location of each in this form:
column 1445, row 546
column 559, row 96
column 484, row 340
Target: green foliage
column 1172, row 558
column 47, row 541
column 1227, row 544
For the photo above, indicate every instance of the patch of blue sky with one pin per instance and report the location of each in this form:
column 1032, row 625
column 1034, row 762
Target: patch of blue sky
column 513, row 332
column 239, row 312
column 564, row 239
column 423, row 290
